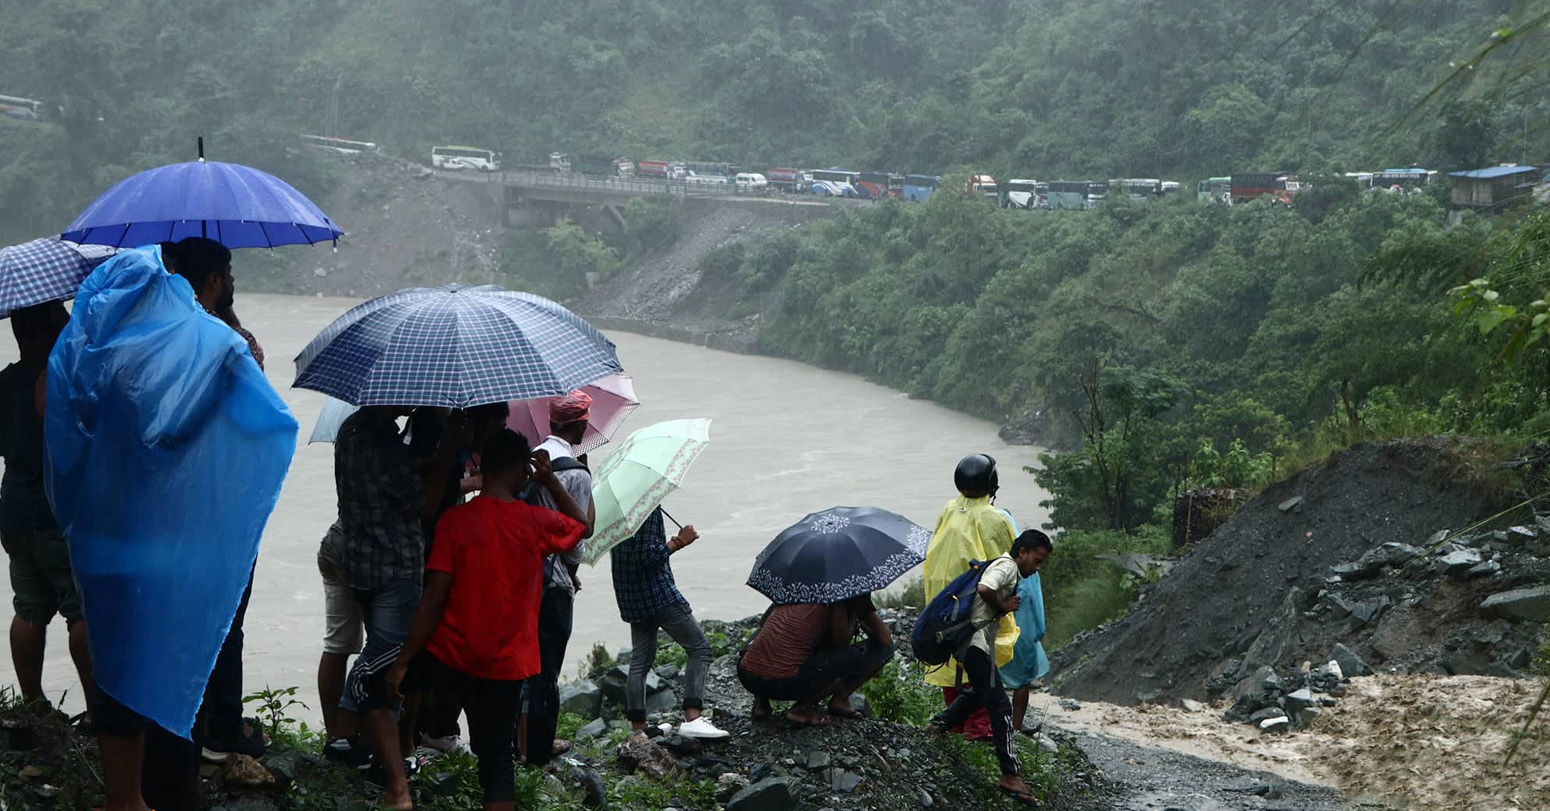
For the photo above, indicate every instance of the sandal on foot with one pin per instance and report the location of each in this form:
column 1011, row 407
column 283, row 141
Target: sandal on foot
column 1021, row 795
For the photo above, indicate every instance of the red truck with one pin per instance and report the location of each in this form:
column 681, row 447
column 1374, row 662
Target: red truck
column 661, row 170
column 790, row 181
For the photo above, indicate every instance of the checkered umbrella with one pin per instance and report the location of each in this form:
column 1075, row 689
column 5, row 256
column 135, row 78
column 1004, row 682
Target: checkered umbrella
column 44, row 270
column 455, row 347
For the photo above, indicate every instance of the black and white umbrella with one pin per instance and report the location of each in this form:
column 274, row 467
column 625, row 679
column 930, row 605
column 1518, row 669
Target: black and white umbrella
column 837, row 554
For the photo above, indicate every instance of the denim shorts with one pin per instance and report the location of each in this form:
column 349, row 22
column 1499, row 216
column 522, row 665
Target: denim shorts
column 41, row 581
column 343, row 631
column 386, row 611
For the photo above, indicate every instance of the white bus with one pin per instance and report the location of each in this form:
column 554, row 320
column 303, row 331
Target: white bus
column 25, row 109
column 341, row 145
column 465, row 157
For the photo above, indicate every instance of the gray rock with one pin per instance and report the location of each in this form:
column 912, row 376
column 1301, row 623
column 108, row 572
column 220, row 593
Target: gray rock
column 596, row 728
column 1456, row 564
column 1191, row 705
column 284, row 766
column 1365, row 613
column 583, row 698
column 1531, row 604
column 925, row 800
column 818, row 759
column 616, row 678
column 859, row 703
column 1266, row 714
column 1262, row 687
column 1306, row 715
column 773, row 794
column 1070, row 704
column 1486, row 569
column 1278, row 724
column 844, row 781
column 1048, row 744
column 1298, row 700
column 594, row 791
column 1350, row 663
column 667, row 672
column 728, row 785
column 639, row 753
column 1290, row 504
column 661, row 700
column 1272, row 643
column 1521, row 533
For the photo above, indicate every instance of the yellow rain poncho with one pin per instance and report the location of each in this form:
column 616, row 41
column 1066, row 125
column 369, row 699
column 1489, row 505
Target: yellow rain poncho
column 968, row 529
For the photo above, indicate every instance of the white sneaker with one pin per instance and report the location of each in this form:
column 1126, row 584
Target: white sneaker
column 449, row 743
column 702, row 728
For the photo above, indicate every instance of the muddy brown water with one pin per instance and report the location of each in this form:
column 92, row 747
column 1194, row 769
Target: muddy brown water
column 787, row 440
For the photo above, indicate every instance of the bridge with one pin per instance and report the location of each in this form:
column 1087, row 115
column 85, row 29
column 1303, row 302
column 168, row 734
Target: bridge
column 531, row 195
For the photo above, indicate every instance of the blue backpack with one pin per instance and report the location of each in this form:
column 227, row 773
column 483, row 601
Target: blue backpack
column 943, row 629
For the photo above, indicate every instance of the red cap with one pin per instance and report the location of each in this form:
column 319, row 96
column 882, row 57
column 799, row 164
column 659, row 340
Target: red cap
column 571, row 408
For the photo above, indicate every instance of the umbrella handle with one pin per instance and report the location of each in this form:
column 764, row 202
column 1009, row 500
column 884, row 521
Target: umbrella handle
column 670, row 517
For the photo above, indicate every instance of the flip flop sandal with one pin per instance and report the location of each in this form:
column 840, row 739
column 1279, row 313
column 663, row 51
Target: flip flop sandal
column 1021, row 795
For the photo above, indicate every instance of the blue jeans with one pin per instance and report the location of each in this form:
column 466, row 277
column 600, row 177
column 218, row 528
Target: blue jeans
column 386, row 612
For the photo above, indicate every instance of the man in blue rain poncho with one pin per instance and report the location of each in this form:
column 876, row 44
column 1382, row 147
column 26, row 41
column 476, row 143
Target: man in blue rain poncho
column 166, row 448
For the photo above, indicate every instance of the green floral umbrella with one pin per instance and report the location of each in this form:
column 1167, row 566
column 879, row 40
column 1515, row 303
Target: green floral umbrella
column 638, row 475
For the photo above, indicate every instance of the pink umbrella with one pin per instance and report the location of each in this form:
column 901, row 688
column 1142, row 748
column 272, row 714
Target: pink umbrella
column 613, row 398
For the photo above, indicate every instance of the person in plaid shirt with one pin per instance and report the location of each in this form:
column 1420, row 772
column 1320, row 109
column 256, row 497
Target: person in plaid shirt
column 649, row 600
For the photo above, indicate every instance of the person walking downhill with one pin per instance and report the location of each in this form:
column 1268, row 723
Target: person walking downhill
column 42, row 584
column 1029, row 662
column 568, row 417
column 970, row 527
column 475, row 632
column 649, row 601
column 996, row 597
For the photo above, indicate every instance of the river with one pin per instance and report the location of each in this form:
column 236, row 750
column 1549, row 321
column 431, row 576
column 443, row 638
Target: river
column 787, row 439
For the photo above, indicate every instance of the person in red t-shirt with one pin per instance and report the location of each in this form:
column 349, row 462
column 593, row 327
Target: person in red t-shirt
column 475, row 632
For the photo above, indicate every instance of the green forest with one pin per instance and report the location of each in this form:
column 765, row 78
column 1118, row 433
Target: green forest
column 1154, row 347
column 1031, row 88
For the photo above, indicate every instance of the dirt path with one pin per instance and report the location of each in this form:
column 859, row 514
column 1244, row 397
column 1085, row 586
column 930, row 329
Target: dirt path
column 1421, row 741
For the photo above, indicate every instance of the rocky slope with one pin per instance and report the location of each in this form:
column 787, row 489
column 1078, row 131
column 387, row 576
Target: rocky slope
column 1365, row 550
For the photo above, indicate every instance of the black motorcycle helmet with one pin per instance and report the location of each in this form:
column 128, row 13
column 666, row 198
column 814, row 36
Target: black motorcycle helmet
column 976, row 474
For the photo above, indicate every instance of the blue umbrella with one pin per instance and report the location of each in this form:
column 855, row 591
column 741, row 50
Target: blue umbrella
column 455, row 347
column 44, row 270
column 832, row 556
column 237, row 206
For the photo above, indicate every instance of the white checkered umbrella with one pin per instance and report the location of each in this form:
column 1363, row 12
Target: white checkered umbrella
column 455, row 347
column 45, row 270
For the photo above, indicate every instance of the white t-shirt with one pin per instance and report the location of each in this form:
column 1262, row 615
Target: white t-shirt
column 1002, row 577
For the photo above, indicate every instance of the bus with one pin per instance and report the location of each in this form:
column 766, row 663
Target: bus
column 1139, row 189
column 340, row 145
column 1214, row 190
column 835, row 183
column 706, row 168
column 919, row 187
column 877, row 185
column 465, row 157
column 1023, row 194
column 1068, row 195
column 24, row 109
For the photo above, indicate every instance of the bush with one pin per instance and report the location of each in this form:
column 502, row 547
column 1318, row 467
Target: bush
column 1082, row 592
column 899, row 694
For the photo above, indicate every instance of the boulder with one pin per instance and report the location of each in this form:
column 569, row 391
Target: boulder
column 1368, row 612
column 1350, row 663
column 1298, row 700
column 1306, row 715
column 1485, row 569
column 594, row 790
column 583, row 698
column 660, row 700
column 1456, row 564
column 1531, row 604
column 667, row 672
column 773, row 794
column 596, row 728
column 728, row 785
column 245, row 771
column 818, row 759
column 1277, row 724
column 844, row 781
column 638, row 753
column 1260, row 688
column 1272, row 643
column 1266, row 714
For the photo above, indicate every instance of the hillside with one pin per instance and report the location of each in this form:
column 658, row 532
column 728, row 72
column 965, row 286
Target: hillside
column 1031, row 88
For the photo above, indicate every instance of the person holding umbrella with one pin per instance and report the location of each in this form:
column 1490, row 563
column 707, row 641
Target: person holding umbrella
column 820, row 574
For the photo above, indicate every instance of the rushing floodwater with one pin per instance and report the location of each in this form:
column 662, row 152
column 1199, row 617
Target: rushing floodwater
column 787, row 440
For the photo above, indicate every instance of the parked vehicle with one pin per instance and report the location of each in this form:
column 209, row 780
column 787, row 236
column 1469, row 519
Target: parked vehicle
column 1068, row 195
column 559, row 162
column 1246, row 188
column 984, row 185
column 751, row 182
column 835, row 183
column 790, row 181
column 697, row 179
column 340, row 145
column 703, row 168
column 465, row 157
column 1138, row 189
column 24, row 109
column 1214, row 190
column 661, row 170
column 878, row 185
column 604, row 164
column 1023, row 194
column 917, row 188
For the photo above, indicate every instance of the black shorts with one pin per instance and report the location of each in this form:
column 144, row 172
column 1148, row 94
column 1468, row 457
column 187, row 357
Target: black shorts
column 113, row 718
column 826, row 667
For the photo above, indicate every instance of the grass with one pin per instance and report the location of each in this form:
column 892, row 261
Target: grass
column 900, row 695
